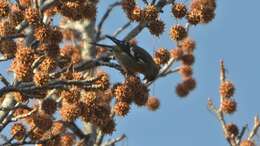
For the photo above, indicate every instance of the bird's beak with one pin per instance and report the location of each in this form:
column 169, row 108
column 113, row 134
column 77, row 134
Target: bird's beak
column 102, row 45
column 116, row 41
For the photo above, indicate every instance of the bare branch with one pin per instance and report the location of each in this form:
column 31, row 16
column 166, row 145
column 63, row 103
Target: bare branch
column 255, row 128
column 4, row 80
column 114, row 141
column 104, row 18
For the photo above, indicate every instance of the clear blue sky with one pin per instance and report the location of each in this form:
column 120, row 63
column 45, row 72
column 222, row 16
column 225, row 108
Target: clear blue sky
column 233, row 36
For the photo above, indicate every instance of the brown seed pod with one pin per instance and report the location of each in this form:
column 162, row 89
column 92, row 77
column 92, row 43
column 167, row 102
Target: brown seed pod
column 247, row 143
column 150, row 13
column 122, row 93
column 6, row 28
column 185, row 71
column 42, row 33
column 136, row 14
column 188, row 45
column 18, row 131
column 40, row 78
column 188, row 59
column 67, row 139
column 226, row 89
column 232, row 129
column 121, row 108
column 4, row 8
column 178, row 32
column 228, row 105
column 49, row 106
column 128, row 5
column 109, row 127
column 32, row 16
column 153, row 103
column 181, row 90
column 177, row 53
column 70, row 112
column 41, row 121
column 162, row 55
column 193, row 16
column 179, row 10
column 189, row 83
column 156, row 27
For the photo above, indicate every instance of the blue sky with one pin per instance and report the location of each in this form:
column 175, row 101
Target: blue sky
column 232, row 36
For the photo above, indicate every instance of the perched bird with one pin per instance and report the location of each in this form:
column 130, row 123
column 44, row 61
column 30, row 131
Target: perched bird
column 132, row 58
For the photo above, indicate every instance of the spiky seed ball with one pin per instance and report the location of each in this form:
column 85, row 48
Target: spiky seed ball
column 226, row 89
column 49, row 106
column 18, row 131
column 150, row 13
column 232, row 129
column 89, row 11
column 8, row 48
column 121, row 108
column 6, row 28
column 25, row 3
column 128, row 5
column 188, row 45
column 178, row 32
column 90, row 99
column 153, row 103
column 141, row 94
column 247, row 143
column 48, row 64
column 42, row 33
column 188, row 59
column 72, row 95
column 32, row 16
column 23, row 71
column 185, row 70
column 122, row 93
column 176, row 53
column 41, row 121
column 103, row 80
column 207, row 15
column 36, row 134
column 69, row 112
column 4, row 8
column 228, row 105
column 40, row 78
column 57, row 127
column 163, row 55
column 181, row 90
column 189, row 83
column 198, row 4
column 136, row 14
column 16, row 17
column 55, row 35
column 179, row 10
column 193, row 17
column 132, row 81
column 66, row 140
column 156, row 27
column 19, row 97
column 109, row 127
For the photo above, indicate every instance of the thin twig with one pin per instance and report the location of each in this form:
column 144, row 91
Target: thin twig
column 121, row 29
column 114, row 141
column 24, row 115
column 104, row 18
column 255, row 128
column 4, row 80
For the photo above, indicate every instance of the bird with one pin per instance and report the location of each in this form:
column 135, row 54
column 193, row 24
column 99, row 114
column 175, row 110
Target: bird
column 132, row 58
